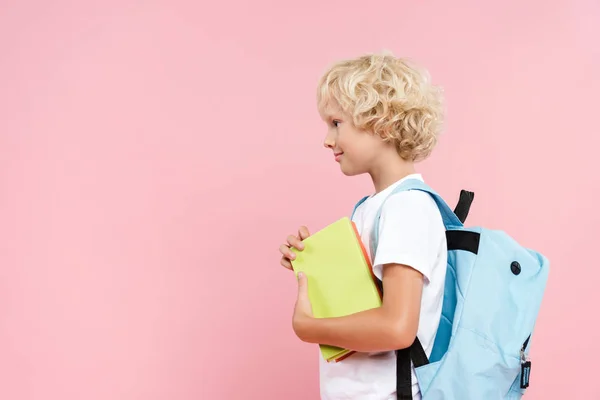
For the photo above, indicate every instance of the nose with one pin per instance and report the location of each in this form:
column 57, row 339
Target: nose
column 329, row 142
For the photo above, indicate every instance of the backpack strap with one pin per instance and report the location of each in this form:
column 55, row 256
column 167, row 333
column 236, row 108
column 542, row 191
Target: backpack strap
column 415, row 354
column 464, row 205
column 357, row 205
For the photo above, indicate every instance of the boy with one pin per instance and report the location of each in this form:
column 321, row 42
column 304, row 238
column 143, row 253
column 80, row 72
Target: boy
column 383, row 116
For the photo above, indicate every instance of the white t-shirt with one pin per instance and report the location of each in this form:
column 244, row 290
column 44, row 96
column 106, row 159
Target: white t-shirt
column 411, row 232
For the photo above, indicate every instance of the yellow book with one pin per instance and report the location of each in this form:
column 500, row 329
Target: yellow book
column 340, row 276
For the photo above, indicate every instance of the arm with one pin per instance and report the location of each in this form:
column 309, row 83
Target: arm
column 411, row 232
column 389, row 327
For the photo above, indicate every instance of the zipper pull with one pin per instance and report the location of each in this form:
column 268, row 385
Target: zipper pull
column 525, row 367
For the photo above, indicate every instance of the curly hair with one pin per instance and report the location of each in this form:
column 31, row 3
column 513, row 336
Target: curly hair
column 390, row 97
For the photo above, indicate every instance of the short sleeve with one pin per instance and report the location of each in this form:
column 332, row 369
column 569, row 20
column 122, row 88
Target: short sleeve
column 411, row 232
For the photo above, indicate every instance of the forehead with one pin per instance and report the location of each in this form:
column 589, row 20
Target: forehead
column 330, row 110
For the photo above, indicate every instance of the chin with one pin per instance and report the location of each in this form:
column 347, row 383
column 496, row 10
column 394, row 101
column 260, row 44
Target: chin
column 350, row 171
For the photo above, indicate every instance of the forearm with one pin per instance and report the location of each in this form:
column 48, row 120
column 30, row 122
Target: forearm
column 368, row 331
column 392, row 326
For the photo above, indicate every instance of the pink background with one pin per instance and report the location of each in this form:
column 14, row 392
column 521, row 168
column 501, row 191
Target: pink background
column 153, row 155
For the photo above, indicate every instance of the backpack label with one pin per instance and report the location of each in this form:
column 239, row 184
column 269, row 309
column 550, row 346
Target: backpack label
column 525, row 371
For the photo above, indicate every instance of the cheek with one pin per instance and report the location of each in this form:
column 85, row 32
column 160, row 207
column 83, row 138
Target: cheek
column 351, row 143
column 347, row 140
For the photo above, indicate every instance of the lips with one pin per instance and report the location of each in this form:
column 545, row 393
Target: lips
column 337, row 156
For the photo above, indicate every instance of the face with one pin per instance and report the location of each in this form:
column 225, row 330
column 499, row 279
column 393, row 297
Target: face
column 353, row 149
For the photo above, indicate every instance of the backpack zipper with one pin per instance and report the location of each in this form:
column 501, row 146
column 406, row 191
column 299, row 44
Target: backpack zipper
column 523, row 347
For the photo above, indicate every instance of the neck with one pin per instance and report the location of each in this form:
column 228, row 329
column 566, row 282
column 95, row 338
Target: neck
column 389, row 172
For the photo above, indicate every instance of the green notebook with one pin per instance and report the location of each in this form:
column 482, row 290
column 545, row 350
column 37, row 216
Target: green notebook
column 340, row 276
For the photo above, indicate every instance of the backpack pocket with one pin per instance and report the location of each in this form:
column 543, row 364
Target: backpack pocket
column 480, row 371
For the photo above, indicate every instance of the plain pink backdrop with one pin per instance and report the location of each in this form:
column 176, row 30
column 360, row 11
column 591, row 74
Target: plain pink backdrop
column 154, row 154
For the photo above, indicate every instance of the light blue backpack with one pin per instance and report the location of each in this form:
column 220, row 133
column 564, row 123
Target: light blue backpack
column 493, row 292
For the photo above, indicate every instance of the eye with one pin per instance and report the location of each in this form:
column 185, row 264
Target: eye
column 336, row 122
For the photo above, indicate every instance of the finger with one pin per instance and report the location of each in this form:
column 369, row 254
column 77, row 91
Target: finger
column 303, row 232
column 286, row 263
column 286, row 252
column 295, row 242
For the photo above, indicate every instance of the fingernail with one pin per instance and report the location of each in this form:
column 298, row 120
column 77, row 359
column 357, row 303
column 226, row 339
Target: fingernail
column 300, row 275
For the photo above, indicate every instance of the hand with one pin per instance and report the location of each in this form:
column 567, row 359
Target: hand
column 303, row 314
column 295, row 242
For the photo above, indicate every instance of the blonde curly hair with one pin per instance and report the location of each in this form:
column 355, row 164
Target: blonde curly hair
column 390, row 97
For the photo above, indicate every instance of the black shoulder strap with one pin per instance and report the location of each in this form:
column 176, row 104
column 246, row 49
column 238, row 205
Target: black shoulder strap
column 464, row 205
column 404, row 357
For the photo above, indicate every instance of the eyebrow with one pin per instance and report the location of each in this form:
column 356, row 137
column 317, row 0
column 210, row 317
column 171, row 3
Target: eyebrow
column 332, row 116
column 326, row 117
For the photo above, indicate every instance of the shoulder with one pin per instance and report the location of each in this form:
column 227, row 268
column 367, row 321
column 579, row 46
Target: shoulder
column 411, row 232
column 411, row 205
column 411, row 216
